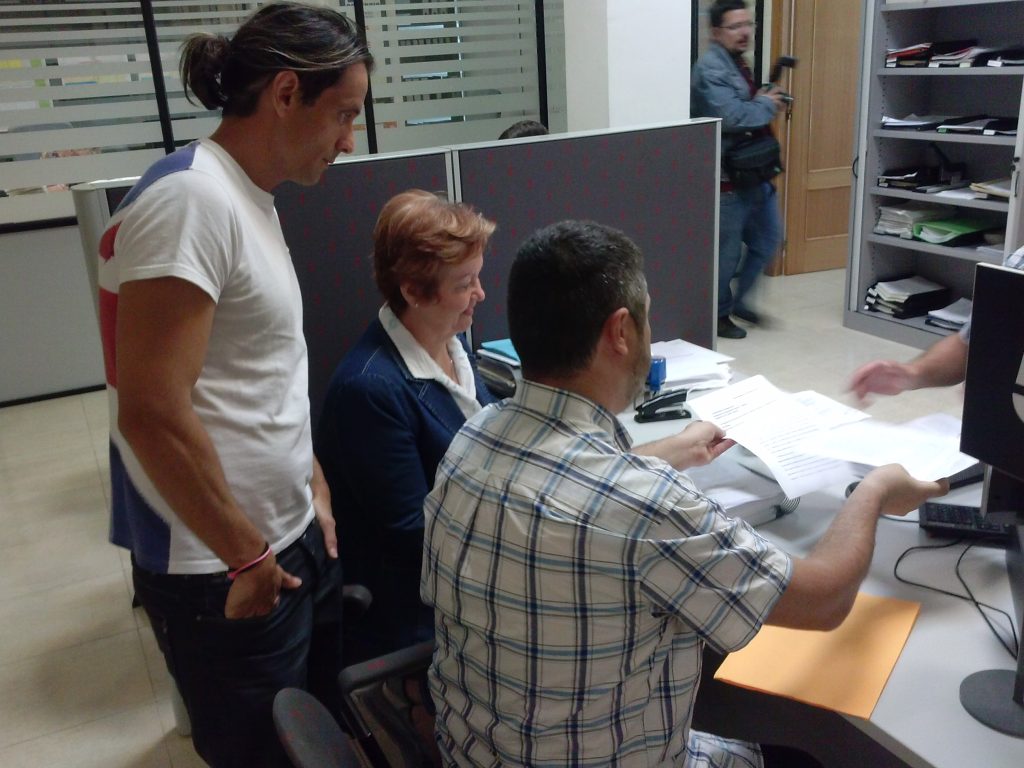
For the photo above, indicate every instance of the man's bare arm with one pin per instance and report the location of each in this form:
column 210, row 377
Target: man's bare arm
column 163, row 328
column 825, row 583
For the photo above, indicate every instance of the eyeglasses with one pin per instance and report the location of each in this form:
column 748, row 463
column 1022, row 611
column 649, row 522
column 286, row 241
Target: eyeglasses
column 751, row 25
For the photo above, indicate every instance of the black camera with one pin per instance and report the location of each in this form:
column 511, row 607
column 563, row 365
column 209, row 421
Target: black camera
column 783, row 62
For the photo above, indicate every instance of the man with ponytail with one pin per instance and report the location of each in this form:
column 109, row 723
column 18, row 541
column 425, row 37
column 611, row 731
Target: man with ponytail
column 214, row 486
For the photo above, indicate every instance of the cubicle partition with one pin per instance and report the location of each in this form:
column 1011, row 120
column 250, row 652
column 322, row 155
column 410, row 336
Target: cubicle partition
column 657, row 184
column 329, row 230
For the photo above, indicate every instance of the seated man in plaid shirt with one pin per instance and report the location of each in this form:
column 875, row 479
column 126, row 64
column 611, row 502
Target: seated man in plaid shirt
column 575, row 579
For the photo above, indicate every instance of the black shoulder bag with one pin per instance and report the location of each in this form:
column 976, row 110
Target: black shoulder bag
column 749, row 160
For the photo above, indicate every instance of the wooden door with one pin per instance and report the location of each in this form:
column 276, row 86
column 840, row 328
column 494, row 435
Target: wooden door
column 825, row 37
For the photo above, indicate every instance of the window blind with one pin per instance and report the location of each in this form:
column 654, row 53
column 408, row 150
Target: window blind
column 77, row 96
column 451, row 71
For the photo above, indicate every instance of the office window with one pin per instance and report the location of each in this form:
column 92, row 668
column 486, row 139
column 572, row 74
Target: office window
column 77, row 95
column 451, row 71
column 78, row 101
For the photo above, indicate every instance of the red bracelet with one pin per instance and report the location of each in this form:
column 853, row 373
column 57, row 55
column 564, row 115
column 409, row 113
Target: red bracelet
column 251, row 564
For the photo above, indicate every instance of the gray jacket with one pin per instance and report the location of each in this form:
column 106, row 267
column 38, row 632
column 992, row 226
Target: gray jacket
column 718, row 89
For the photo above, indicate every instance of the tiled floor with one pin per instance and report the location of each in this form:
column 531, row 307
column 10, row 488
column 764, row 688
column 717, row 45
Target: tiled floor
column 81, row 681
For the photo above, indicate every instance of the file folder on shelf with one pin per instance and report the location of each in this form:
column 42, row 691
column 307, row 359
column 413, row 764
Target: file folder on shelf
column 958, row 230
column 908, row 297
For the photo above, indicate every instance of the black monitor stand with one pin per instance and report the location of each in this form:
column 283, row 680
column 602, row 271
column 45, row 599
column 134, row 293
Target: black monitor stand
column 995, row 697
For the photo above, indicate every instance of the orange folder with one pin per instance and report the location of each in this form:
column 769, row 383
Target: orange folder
column 843, row 670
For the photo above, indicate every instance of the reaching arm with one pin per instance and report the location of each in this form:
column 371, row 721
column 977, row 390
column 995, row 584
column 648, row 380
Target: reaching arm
column 699, row 444
column 825, row 583
column 163, row 328
column 941, row 365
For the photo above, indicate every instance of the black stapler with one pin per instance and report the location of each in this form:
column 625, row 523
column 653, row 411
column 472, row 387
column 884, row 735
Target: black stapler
column 669, row 405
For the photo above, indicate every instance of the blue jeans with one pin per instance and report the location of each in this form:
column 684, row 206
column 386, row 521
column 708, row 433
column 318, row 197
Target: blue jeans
column 228, row 670
column 751, row 217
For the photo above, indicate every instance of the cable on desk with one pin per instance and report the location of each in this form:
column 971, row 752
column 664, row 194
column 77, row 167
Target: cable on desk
column 969, row 597
column 977, row 604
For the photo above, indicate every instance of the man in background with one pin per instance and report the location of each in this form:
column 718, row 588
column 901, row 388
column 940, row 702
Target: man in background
column 524, row 128
column 722, row 85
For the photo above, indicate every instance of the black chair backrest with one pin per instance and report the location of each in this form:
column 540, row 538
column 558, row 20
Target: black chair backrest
column 309, row 734
column 382, row 717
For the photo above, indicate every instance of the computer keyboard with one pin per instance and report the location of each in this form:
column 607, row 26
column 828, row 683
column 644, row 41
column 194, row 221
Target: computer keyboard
column 960, row 521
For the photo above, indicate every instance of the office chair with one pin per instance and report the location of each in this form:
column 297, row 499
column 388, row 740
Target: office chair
column 383, row 700
column 310, row 735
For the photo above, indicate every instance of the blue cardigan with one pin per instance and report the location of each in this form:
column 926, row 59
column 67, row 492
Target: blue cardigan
column 380, row 437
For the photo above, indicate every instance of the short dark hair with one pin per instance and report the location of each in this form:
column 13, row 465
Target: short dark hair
column 722, row 7
column 315, row 42
column 566, row 280
column 524, row 128
column 418, row 232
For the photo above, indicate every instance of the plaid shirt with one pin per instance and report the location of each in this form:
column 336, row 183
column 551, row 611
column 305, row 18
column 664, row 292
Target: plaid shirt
column 574, row 585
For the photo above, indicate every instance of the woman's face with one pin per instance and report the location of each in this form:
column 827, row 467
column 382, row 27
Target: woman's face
column 450, row 312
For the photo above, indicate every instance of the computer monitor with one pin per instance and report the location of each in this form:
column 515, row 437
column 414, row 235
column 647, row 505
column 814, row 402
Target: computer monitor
column 993, row 432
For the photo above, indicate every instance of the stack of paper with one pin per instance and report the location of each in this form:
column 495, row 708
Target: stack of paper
column 909, row 177
column 498, row 363
column 500, row 349
column 967, row 125
column 993, row 187
column 908, row 56
column 965, row 57
column 689, row 366
column 983, row 125
column 899, row 220
column 916, row 122
column 952, row 317
column 910, row 297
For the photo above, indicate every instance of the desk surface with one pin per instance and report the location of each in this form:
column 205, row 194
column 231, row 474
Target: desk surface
column 918, row 717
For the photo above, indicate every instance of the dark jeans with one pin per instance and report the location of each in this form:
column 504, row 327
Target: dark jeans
column 228, row 670
column 746, row 217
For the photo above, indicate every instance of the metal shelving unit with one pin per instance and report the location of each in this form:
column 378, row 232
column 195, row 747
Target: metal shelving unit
column 898, row 92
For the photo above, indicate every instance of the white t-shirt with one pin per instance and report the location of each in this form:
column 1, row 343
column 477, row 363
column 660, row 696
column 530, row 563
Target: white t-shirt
column 196, row 215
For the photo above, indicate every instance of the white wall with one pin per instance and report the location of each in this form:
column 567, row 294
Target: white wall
column 586, row 64
column 49, row 337
column 627, row 62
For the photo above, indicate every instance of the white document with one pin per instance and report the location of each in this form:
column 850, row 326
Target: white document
column 772, row 424
column 928, row 448
column 957, row 312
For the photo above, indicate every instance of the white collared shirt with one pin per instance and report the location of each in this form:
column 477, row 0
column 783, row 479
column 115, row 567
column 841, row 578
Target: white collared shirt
column 423, row 366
